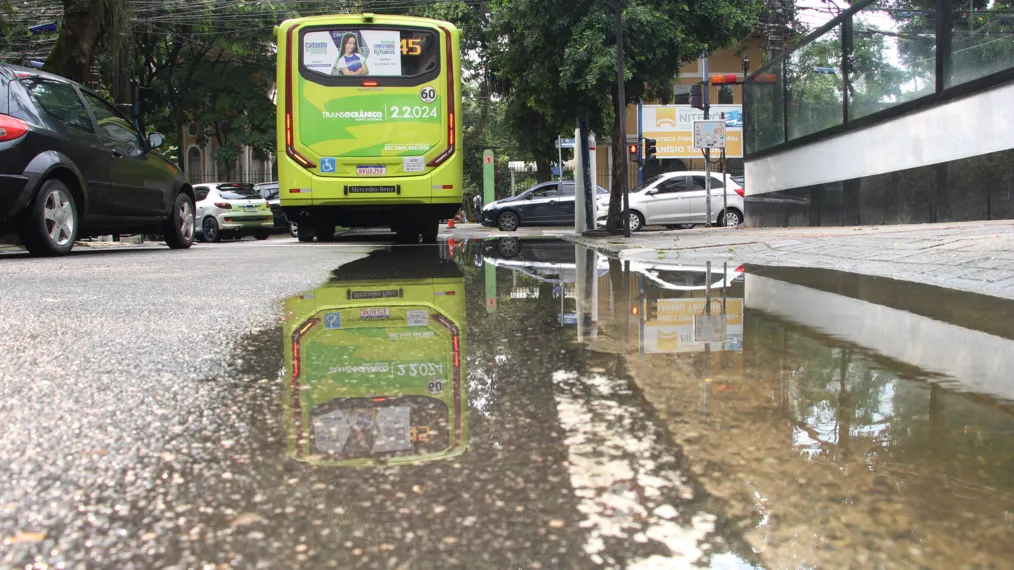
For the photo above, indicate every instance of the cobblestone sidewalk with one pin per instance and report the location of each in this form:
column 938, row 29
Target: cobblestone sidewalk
column 976, row 256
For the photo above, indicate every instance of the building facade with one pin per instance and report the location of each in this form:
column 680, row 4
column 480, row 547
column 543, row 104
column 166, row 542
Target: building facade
column 886, row 116
column 200, row 165
column 725, row 62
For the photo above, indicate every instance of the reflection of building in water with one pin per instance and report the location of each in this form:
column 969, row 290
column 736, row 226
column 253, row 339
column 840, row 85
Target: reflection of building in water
column 375, row 361
column 855, row 406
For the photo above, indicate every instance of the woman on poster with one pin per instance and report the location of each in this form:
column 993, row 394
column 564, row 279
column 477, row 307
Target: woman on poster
column 351, row 61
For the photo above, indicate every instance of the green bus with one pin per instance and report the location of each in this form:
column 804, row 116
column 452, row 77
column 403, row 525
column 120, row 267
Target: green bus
column 367, row 120
column 375, row 363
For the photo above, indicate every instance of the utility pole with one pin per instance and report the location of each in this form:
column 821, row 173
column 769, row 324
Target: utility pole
column 707, row 151
column 725, row 190
column 621, row 108
column 640, row 136
column 559, row 154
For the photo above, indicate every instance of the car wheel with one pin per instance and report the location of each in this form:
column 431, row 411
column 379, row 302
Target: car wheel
column 636, row 221
column 178, row 230
column 209, row 227
column 262, row 234
column 430, row 232
column 508, row 222
column 304, row 232
column 51, row 225
column 293, row 229
column 508, row 247
column 732, row 218
column 325, row 231
column 680, row 226
column 406, row 235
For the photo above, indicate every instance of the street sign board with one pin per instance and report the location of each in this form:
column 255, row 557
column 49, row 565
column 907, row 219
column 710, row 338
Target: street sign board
column 709, row 328
column 672, row 329
column 672, row 128
column 709, row 134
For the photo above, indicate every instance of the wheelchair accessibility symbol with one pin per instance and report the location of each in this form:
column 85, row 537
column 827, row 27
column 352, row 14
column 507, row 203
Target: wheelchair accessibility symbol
column 327, row 164
column 332, row 321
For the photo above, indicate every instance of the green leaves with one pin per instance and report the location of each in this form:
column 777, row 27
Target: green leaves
column 555, row 60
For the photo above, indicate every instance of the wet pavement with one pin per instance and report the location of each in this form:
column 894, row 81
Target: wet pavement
column 510, row 403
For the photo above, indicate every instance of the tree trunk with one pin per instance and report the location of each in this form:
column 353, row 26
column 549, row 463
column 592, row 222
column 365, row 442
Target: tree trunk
column 618, row 147
column 543, row 169
column 74, row 53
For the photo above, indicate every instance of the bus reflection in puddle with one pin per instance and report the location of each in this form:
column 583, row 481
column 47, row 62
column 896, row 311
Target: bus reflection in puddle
column 374, row 359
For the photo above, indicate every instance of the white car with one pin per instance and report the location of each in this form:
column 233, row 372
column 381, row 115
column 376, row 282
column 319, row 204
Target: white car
column 678, row 199
column 687, row 278
column 231, row 209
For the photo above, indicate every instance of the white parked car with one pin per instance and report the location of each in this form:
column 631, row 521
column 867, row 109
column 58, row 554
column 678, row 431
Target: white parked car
column 687, row 278
column 231, row 210
column 678, row 199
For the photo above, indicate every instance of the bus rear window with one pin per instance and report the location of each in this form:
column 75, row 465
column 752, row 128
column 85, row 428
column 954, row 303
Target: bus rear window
column 371, row 52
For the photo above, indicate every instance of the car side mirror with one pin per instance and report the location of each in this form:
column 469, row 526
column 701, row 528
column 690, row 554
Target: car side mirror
column 155, row 140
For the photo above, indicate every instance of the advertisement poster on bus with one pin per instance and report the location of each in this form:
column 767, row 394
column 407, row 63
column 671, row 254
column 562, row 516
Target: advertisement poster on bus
column 353, row 52
column 671, row 329
column 672, row 127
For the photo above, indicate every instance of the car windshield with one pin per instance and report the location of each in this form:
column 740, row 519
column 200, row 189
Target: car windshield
column 238, row 192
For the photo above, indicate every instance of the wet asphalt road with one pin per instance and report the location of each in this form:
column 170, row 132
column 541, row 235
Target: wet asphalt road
column 503, row 403
column 143, row 399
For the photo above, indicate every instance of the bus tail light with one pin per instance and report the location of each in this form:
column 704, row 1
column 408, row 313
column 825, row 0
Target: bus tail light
column 457, row 352
column 449, row 151
column 290, row 149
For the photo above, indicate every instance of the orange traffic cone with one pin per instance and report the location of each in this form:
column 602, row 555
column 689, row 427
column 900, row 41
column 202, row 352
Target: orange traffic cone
column 450, row 224
column 450, row 246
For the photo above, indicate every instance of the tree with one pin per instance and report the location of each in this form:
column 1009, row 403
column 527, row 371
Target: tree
column 212, row 68
column 88, row 26
column 484, row 122
column 563, row 69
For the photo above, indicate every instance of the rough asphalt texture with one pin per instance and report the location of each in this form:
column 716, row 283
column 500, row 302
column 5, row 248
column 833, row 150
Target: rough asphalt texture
column 111, row 355
column 141, row 398
column 974, row 256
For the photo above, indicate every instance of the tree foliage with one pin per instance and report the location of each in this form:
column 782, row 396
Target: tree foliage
column 213, row 73
column 560, row 69
column 532, row 68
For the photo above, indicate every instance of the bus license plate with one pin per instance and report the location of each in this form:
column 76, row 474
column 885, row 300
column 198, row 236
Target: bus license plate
column 372, row 189
column 378, row 170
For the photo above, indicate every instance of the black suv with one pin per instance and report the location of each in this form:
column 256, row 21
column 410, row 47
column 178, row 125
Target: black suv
column 71, row 166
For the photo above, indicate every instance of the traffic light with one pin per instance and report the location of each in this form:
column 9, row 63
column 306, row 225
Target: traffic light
column 651, row 310
column 635, row 153
column 697, row 96
column 724, row 79
column 649, row 149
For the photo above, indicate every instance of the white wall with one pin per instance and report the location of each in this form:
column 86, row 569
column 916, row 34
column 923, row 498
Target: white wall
column 970, row 126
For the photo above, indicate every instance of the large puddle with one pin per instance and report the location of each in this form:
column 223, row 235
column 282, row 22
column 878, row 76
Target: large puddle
column 572, row 409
